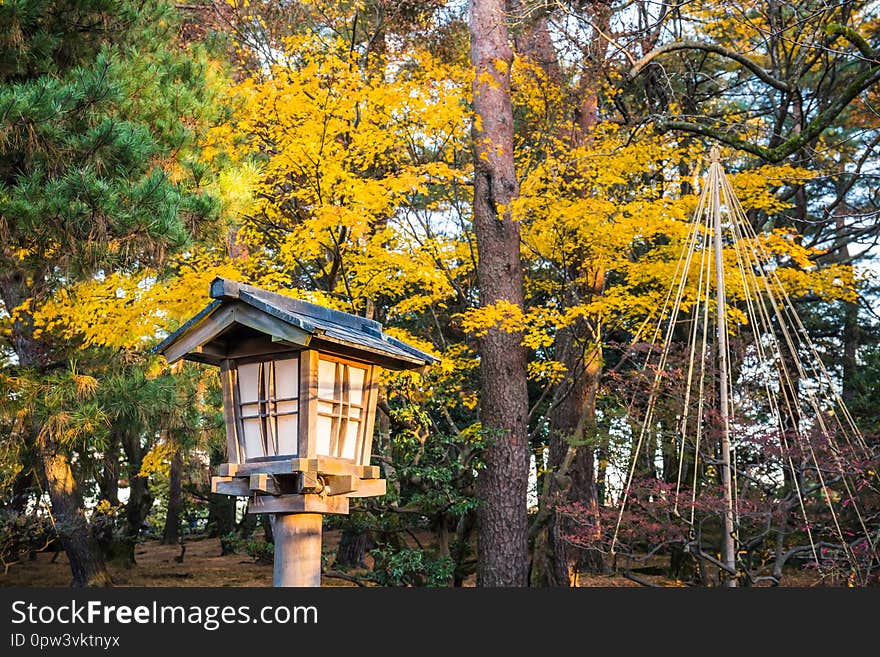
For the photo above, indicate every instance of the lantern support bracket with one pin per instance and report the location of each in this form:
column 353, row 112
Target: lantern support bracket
column 323, row 465
column 288, row 478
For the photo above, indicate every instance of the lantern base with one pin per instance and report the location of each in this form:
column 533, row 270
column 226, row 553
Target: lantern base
column 294, row 477
column 250, row 487
column 297, row 549
column 300, row 504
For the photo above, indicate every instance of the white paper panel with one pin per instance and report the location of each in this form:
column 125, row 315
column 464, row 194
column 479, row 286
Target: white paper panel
column 253, row 443
column 287, row 434
column 348, row 447
column 248, row 380
column 356, row 377
column 322, row 440
column 286, row 407
column 325, row 407
column 286, row 378
column 354, row 413
column 250, row 410
column 326, row 379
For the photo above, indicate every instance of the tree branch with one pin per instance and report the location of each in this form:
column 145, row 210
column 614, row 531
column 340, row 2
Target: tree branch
column 856, row 39
column 690, row 44
column 868, row 77
column 797, row 141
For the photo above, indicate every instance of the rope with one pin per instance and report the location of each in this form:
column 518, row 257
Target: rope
column 797, row 399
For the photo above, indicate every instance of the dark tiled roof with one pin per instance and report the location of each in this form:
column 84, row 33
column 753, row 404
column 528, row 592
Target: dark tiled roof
column 324, row 324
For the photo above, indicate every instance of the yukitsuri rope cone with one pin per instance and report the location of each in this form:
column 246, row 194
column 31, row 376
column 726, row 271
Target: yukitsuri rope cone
column 774, row 420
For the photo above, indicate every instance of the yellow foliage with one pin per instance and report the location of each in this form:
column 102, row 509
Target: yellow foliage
column 85, row 384
column 157, row 460
column 610, row 216
column 756, row 188
column 546, row 371
column 345, row 187
column 502, row 315
column 353, row 166
column 127, row 312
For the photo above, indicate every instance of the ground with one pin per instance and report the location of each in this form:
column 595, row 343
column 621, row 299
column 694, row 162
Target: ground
column 158, row 565
column 202, row 565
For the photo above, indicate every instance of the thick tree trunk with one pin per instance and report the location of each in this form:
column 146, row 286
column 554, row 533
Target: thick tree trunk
column 501, row 485
column 83, row 553
column 573, row 477
column 171, row 536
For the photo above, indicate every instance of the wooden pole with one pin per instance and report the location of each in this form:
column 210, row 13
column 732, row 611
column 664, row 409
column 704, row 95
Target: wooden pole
column 728, row 551
column 297, row 549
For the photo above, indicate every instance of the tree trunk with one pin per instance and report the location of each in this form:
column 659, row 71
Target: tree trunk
column 575, row 417
column 86, row 563
column 22, row 488
column 572, row 427
column 501, row 485
column 221, row 514
column 352, row 550
column 268, row 532
column 461, row 550
column 175, row 500
column 248, row 523
column 221, row 508
column 140, row 501
column 531, row 36
column 104, row 521
column 108, row 482
column 21, row 492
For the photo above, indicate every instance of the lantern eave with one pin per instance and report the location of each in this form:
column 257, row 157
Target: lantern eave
column 289, row 323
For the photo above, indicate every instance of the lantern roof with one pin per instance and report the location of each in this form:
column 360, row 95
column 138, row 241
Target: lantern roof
column 243, row 313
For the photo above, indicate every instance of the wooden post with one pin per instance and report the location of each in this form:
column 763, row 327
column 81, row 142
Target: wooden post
column 229, row 385
column 297, row 549
column 728, row 548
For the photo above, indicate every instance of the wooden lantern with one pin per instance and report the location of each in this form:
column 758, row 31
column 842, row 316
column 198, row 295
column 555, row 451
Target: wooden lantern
column 299, row 398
